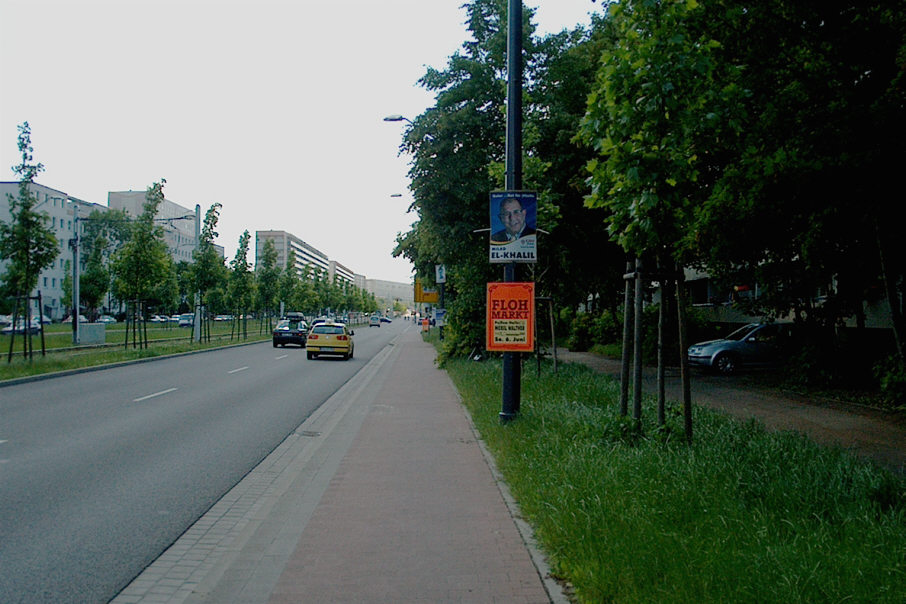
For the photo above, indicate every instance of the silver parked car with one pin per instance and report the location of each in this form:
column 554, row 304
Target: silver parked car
column 756, row 344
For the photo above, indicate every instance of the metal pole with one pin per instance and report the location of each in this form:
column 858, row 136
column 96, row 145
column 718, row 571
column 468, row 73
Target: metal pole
column 442, row 306
column 511, row 367
column 76, row 340
column 196, row 326
column 637, row 333
column 628, row 310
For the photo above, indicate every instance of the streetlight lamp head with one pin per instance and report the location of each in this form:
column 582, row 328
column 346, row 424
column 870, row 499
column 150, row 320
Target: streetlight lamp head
column 394, row 118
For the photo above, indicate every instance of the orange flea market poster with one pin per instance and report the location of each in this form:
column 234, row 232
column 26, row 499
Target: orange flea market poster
column 510, row 317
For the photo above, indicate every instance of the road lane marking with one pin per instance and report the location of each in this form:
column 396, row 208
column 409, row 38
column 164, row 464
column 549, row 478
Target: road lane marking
column 238, row 370
column 161, row 393
column 282, row 356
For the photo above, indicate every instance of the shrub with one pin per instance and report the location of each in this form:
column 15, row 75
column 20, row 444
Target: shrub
column 580, row 337
column 892, row 380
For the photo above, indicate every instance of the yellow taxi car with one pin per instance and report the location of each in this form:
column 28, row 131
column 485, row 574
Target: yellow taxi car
column 330, row 338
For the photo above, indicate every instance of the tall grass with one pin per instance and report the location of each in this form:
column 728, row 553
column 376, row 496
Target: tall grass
column 740, row 515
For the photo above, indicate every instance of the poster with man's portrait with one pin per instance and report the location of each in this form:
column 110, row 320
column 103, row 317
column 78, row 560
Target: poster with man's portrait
column 513, row 223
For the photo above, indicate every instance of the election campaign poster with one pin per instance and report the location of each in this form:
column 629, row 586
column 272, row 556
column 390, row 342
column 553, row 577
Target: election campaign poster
column 510, row 317
column 513, row 222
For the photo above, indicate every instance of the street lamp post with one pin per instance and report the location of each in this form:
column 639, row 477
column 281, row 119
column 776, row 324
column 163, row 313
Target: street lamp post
column 512, row 371
column 196, row 326
column 74, row 243
column 397, row 118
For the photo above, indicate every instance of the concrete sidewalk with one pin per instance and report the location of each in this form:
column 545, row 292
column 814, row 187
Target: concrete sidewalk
column 384, row 495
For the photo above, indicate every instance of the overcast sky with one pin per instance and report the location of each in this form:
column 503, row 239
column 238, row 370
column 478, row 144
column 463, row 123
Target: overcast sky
column 272, row 108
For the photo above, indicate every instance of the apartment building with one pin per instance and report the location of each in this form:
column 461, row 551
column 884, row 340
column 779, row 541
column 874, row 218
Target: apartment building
column 60, row 209
column 178, row 222
column 304, row 253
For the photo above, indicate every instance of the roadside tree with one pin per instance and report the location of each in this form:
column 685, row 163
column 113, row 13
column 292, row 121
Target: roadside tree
column 94, row 282
column 267, row 275
column 241, row 285
column 26, row 242
column 208, row 271
column 141, row 265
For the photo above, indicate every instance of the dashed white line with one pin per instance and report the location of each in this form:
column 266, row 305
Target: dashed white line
column 282, row 356
column 161, row 393
column 237, row 370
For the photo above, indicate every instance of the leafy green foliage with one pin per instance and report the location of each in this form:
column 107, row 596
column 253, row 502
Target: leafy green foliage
column 94, row 282
column 241, row 281
column 267, row 274
column 142, row 268
column 457, row 150
column 143, row 262
column 26, row 242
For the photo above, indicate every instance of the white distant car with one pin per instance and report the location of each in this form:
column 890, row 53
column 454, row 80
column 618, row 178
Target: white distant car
column 35, row 327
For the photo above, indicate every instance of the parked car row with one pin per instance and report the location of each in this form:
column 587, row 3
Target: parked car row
column 34, row 326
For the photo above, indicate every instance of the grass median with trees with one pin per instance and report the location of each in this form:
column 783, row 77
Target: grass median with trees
column 163, row 339
column 740, row 515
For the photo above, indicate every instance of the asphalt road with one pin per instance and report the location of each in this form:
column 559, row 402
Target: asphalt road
column 101, row 471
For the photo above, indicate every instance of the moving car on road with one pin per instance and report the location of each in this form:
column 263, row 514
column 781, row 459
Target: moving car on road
column 375, row 321
column 756, row 344
column 330, row 338
column 291, row 330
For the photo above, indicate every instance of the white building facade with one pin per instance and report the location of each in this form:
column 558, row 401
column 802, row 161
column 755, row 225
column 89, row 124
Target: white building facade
column 177, row 221
column 59, row 208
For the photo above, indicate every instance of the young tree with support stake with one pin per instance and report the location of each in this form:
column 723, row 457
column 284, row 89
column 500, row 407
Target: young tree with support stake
column 241, row 284
column 26, row 241
column 267, row 274
column 651, row 117
column 208, row 269
column 142, row 264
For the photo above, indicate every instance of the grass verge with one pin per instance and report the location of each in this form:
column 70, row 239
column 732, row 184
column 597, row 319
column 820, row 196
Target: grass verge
column 64, row 360
column 741, row 515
